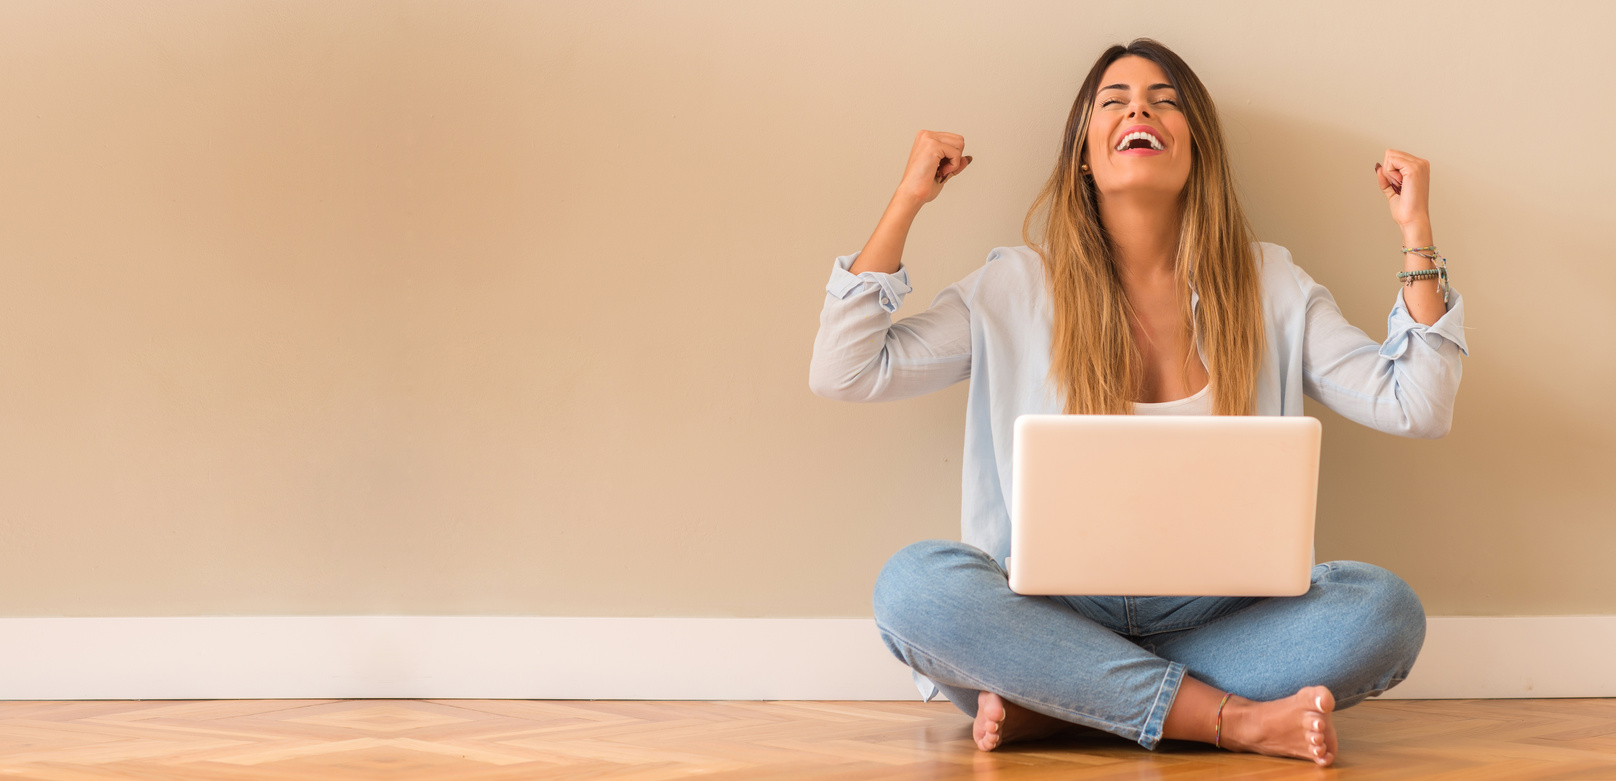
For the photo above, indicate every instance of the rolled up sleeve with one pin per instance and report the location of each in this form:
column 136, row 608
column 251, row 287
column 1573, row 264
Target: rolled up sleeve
column 1401, row 328
column 892, row 287
column 1405, row 385
column 860, row 354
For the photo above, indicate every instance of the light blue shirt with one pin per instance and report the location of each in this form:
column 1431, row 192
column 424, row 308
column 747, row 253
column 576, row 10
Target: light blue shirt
column 993, row 329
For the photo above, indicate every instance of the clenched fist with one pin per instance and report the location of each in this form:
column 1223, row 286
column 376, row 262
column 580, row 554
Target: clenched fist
column 934, row 159
column 1406, row 182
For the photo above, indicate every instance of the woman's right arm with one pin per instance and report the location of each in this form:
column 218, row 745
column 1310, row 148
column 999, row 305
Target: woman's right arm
column 859, row 353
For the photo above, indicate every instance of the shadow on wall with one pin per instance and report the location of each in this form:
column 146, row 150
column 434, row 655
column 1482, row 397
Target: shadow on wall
column 1528, row 460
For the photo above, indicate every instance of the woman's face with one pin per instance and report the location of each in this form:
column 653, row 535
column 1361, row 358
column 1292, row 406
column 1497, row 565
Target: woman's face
column 1134, row 97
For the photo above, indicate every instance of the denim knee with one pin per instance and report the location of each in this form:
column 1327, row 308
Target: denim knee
column 916, row 583
column 1388, row 612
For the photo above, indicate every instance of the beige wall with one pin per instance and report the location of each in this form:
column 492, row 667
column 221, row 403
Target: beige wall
column 506, row 308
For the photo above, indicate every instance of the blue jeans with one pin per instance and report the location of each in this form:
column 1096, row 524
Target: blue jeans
column 1115, row 663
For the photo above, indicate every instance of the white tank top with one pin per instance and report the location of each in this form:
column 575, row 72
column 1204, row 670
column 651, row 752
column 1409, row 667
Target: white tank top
column 1199, row 404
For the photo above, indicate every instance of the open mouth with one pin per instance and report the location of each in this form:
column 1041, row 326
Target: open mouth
column 1140, row 139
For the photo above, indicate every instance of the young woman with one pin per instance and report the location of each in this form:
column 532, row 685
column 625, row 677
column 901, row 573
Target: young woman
column 1144, row 294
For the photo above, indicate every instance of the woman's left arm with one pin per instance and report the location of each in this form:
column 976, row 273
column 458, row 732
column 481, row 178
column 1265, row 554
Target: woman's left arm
column 1407, row 384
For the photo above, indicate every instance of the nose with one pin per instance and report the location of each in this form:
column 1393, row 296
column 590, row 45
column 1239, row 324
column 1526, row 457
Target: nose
column 1140, row 111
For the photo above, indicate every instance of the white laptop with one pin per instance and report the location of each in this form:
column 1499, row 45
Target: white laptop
column 1128, row 505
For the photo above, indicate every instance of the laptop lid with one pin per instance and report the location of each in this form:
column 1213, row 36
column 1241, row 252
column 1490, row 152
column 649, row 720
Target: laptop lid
column 1123, row 505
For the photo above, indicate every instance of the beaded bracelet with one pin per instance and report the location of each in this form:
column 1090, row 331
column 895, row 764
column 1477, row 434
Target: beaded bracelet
column 1440, row 272
column 1408, row 277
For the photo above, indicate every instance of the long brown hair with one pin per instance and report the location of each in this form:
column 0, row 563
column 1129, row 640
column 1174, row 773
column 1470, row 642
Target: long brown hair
column 1094, row 362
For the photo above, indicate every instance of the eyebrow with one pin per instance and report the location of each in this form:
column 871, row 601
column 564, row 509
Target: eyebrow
column 1152, row 87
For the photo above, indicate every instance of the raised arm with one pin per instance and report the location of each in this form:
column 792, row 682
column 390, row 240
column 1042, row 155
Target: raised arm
column 933, row 160
column 859, row 353
column 1407, row 384
column 1405, row 180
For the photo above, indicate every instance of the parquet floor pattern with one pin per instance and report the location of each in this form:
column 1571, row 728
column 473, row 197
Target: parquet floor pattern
column 494, row 740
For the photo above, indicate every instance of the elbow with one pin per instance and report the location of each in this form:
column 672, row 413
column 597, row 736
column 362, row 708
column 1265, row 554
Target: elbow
column 823, row 389
column 1423, row 415
column 828, row 383
column 827, row 386
column 1432, row 426
column 1435, row 431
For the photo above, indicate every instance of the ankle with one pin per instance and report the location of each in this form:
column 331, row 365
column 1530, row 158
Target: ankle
column 1241, row 723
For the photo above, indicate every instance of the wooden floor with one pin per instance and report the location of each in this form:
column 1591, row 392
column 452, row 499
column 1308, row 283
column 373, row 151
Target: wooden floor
column 404, row 740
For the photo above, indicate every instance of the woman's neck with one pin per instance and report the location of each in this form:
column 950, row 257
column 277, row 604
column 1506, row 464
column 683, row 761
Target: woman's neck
column 1144, row 231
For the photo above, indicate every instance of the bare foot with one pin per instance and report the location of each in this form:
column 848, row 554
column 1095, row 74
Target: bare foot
column 999, row 722
column 1297, row 726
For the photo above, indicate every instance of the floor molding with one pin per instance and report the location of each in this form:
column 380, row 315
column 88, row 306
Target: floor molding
column 638, row 658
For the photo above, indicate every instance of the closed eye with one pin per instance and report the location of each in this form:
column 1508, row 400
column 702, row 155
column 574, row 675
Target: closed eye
column 1114, row 100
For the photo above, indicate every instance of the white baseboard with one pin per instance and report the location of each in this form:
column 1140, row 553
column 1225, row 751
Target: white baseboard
column 1513, row 656
column 638, row 658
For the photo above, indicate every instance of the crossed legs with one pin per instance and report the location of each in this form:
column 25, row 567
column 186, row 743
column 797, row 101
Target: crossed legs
column 946, row 610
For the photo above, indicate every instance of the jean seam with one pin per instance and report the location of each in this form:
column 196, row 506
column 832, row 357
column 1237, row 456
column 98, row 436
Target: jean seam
column 1187, row 625
column 982, row 685
column 1162, row 630
column 1150, row 716
column 1231, row 614
column 1105, row 620
column 1327, row 570
column 1376, row 691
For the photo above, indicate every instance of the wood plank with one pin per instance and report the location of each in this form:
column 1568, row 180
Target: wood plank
column 484, row 740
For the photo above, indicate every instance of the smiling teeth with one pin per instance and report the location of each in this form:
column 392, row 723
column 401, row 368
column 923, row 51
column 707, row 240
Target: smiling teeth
column 1155, row 143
